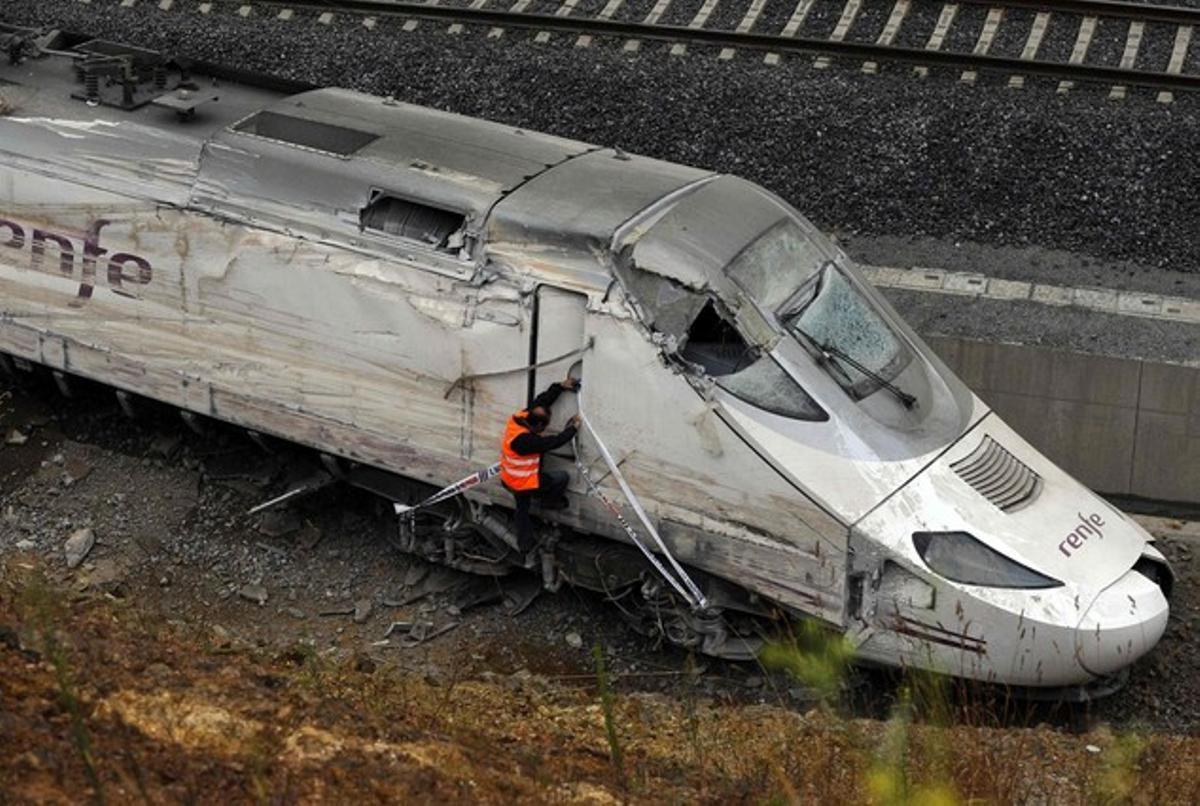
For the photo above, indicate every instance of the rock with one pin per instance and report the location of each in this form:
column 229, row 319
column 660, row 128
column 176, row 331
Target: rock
column 76, row 470
column 78, row 545
column 362, row 611
column 253, row 593
column 280, row 522
column 574, row 640
column 26, row 545
column 15, row 437
column 295, row 613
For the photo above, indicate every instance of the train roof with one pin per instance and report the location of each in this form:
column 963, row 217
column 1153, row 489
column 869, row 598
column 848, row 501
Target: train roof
column 314, row 160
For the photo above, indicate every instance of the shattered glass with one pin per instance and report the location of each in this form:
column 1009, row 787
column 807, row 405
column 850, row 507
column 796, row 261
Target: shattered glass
column 840, row 316
column 765, row 385
column 777, row 263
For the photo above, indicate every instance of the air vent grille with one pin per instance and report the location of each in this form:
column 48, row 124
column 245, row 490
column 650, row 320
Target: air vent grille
column 999, row 476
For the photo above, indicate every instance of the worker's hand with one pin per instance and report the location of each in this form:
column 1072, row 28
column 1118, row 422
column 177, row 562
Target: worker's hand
column 574, row 422
column 570, row 384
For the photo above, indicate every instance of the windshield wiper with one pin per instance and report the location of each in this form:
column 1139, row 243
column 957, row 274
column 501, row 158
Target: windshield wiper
column 836, row 355
column 904, row 397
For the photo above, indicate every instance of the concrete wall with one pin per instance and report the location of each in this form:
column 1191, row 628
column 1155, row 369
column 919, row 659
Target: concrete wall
column 1120, row 426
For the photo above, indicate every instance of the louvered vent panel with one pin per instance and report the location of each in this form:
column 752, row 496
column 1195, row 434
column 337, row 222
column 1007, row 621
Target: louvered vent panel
column 998, row 476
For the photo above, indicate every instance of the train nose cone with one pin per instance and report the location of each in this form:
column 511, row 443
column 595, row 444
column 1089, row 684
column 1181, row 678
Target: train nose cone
column 1123, row 623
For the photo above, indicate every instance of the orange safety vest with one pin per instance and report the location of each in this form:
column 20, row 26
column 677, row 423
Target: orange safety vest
column 519, row 473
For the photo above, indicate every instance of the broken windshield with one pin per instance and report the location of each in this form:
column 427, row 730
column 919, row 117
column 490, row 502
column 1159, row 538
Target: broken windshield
column 776, row 263
column 714, row 344
column 828, row 313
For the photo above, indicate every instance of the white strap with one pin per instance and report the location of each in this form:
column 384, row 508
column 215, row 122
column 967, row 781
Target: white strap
column 683, row 585
column 478, row 477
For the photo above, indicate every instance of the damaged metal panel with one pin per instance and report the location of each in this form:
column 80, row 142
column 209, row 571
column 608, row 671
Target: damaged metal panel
column 697, row 238
column 725, row 392
column 563, row 221
column 678, row 472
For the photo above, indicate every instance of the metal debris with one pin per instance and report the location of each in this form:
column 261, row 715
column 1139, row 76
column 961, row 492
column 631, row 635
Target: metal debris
column 318, row 479
column 520, row 594
column 338, row 611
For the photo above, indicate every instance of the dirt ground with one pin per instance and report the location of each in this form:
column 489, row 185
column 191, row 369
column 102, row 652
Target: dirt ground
column 198, row 652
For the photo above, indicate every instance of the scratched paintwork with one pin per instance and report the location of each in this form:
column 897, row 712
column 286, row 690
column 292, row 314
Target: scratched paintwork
column 229, row 274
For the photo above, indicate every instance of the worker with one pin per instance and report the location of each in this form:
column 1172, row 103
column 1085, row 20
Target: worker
column 521, row 459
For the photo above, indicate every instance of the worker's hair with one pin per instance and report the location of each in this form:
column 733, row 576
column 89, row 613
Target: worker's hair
column 537, row 419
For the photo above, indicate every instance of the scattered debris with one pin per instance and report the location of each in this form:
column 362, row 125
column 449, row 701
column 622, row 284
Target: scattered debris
column 26, row 545
column 1091, row 748
column 317, row 479
column 16, row 437
column 520, row 593
column 574, row 640
column 424, row 631
column 254, row 593
column 295, row 613
column 276, row 550
column 397, row 626
column 78, row 545
column 475, row 591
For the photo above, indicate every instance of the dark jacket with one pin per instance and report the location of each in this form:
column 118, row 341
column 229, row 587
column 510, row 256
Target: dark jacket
column 529, row 444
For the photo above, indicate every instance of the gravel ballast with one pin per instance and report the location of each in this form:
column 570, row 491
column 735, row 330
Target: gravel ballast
column 882, row 155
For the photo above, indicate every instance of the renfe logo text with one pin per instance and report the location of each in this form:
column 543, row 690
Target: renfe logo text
column 1088, row 527
column 85, row 261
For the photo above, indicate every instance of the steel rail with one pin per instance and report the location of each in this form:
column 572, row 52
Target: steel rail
column 867, row 51
column 1122, row 9
column 1175, row 15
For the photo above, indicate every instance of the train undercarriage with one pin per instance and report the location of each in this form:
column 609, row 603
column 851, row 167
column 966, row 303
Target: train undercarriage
column 474, row 538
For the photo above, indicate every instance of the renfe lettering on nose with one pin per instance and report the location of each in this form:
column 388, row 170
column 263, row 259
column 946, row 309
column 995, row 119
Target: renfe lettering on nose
column 1086, row 529
column 118, row 271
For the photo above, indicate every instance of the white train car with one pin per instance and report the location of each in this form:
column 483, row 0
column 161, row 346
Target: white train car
column 387, row 284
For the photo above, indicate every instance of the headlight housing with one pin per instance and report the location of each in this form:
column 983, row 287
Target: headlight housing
column 961, row 557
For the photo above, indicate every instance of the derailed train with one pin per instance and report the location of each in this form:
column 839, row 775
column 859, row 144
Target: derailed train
column 387, row 283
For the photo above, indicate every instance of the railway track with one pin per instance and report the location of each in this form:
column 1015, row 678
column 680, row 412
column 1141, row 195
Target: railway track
column 1116, row 44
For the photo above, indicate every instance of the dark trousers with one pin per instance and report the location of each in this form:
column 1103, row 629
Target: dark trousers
column 552, row 488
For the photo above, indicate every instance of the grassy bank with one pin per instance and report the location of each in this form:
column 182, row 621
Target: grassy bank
column 100, row 700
